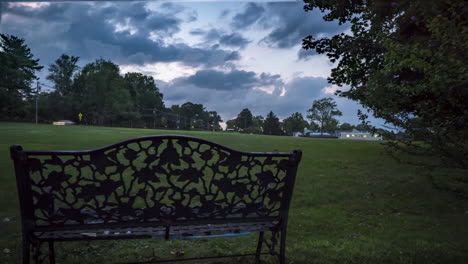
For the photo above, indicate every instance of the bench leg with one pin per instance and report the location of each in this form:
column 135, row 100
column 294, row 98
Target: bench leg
column 26, row 251
column 51, row 253
column 36, row 252
column 282, row 255
column 259, row 248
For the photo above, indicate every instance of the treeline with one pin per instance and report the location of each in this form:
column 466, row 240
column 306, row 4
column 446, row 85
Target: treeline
column 245, row 122
column 106, row 97
column 97, row 90
column 321, row 116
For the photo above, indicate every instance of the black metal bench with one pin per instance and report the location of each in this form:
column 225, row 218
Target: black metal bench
column 164, row 186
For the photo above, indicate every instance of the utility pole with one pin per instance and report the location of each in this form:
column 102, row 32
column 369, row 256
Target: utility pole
column 37, row 96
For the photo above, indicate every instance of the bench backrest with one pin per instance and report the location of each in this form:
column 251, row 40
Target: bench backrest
column 151, row 179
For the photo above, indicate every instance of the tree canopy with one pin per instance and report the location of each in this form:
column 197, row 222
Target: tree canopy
column 103, row 94
column 244, row 119
column 61, row 73
column 193, row 116
column 346, row 126
column 272, row 125
column 323, row 112
column 17, row 72
column 405, row 62
column 294, row 123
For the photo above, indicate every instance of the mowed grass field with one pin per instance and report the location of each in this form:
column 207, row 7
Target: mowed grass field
column 352, row 204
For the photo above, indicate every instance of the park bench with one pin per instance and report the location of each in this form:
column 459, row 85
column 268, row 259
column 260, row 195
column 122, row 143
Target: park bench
column 167, row 186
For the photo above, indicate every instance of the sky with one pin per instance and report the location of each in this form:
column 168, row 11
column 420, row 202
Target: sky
column 226, row 55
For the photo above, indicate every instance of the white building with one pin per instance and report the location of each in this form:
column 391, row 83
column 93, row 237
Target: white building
column 359, row 135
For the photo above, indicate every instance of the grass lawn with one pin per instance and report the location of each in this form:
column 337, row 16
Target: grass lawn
column 351, row 204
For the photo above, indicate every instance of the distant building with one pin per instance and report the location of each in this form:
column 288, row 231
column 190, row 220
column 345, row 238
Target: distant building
column 359, row 135
column 314, row 134
column 63, row 123
column 297, row 134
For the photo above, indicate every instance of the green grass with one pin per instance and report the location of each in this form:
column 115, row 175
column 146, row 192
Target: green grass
column 351, row 204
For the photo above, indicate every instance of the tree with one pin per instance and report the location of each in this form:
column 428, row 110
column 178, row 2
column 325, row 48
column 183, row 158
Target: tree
column 346, row 126
column 244, row 119
column 102, row 95
column 272, row 125
column 405, row 62
column 173, row 114
column 257, row 125
column 294, row 123
column 231, row 124
column 53, row 107
column 147, row 101
column 331, row 125
column 247, row 123
column 323, row 111
column 313, row 126
column 143, row 90
column 214, row 119
column 61, row 73
column 59, row 104
column 17, row 72
column 194, row 116
column 257, row 121
column 362, row 127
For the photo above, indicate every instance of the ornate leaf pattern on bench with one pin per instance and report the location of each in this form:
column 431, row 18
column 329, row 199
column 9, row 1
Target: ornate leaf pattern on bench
column 156, row 179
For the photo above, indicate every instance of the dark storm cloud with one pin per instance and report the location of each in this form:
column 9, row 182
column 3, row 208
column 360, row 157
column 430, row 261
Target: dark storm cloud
column 228, row 93
column 217, row 80
column 228, row 81
column 213, row 35
column 233, row 40
column 248, row 17
column 89, row 31
column 288, row 23
column 294, row 24
column 304, row 54
column 162, row 23
column 299, row 96
column 1, row 11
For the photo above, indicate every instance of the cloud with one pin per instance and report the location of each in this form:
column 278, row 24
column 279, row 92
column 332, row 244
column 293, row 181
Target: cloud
column 153, row 39
column 230, row 92
column 228, row 81
column 169, row 25
column 197, row 32
column 209, row 35
column 217, row 80
column 233, row 40
column 224, row 13
column 288, row 23
column 249, row 16
column 118, row 31
column 304, row 54
column 294, row 24
column 299, row 95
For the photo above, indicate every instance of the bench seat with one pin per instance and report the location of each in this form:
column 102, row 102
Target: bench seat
column 139, row 232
